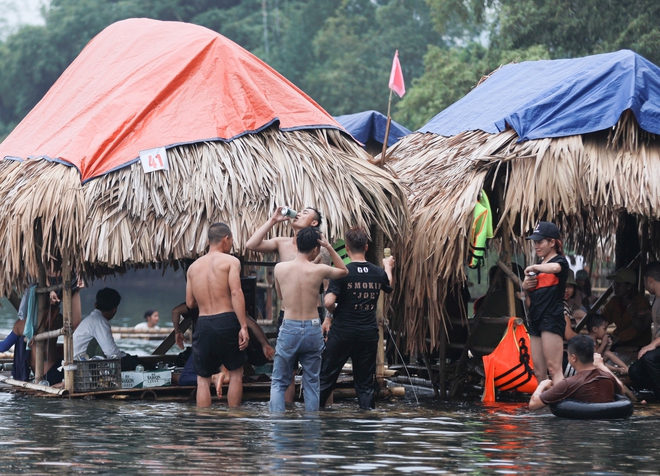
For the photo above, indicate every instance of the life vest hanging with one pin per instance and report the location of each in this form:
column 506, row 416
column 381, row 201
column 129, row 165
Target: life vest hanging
column 510, row 366
column 482, row 229
column 340, row 248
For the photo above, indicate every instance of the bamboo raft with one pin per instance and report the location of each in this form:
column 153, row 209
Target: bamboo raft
column 255, row 388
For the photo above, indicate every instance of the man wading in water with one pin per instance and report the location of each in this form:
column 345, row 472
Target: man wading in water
column 221, row 334
column 286, row 248
column 300, row 336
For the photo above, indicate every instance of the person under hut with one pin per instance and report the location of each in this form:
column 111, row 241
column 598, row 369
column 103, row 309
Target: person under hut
column 645, row 372
column 94, row 335
column 569, row 313
column 629, row 310
column 592, row 383
column 597, row 328
column 573, row 298
column 24, row 356
column 545, row 284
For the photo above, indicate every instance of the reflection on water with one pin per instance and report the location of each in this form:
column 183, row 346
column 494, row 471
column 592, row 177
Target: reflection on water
column 44, row 435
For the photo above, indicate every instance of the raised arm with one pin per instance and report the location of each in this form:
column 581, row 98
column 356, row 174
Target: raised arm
column 388, row 266
column 550, row 268
column 257, row 241
column 340, row 270
column 238, row 301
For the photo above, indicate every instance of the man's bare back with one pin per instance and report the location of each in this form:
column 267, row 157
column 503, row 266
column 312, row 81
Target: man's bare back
column 210, row 280
column 298, row 282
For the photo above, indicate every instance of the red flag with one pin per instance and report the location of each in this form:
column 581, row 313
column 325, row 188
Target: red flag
column 396, row 77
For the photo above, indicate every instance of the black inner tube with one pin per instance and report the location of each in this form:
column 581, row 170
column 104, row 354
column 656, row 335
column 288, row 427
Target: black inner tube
column 621, row 407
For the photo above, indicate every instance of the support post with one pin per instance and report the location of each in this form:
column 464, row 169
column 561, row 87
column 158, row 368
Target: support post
column 442, row 362
column 644, row 245
column 380, row 318
column 67, row 328
column 42, row 300
column 387, row 131
column 511, row 296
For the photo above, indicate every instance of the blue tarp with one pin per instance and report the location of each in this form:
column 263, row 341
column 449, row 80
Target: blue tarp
column 371, row 125
column 558, row 98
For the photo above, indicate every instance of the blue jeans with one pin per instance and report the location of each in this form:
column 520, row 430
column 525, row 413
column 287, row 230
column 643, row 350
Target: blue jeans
column 304, row 340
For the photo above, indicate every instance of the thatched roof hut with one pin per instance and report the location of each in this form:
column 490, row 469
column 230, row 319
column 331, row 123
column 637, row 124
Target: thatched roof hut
column 240, row 140
column 572, row 141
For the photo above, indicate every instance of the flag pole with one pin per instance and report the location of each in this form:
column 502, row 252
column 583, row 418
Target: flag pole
column 387, row 130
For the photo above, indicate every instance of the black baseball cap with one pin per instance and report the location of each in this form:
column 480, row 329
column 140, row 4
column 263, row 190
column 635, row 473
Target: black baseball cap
column 544, row 229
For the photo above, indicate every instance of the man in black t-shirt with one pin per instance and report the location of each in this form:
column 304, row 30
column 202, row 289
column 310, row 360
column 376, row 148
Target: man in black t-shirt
column 352, row 330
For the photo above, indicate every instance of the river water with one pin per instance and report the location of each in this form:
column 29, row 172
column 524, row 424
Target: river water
column 112, row 437
column 39, row 435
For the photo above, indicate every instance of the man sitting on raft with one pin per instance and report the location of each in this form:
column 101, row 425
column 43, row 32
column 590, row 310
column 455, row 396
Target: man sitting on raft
column 590, row 384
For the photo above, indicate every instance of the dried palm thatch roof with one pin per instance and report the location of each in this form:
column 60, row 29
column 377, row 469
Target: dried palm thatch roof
column 129, row 218
column 581, row 182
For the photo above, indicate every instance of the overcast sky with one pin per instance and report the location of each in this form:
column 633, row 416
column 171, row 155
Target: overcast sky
column 21, row 12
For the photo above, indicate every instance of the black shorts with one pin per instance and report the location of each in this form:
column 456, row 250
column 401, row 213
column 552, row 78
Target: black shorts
column 556, row 325
column 215, row 343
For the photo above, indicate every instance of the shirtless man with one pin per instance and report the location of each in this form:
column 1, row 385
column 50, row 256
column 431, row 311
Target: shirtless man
column 300, row 337
column 286, row 249
column 221, row 334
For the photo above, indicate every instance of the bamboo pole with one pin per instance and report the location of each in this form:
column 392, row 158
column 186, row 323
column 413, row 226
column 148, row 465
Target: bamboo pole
column 509, row 274
column 442, row 362
column 387, row 131
column 33, row 386
column 48, row 335
column 601, row 300
column 170, row 340
column 42, row 300
column 380, row 319
column 69, row 373
column 644, row 246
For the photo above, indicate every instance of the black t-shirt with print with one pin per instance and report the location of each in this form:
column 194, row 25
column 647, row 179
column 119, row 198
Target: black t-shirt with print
column 357, row 297
column 547, row 300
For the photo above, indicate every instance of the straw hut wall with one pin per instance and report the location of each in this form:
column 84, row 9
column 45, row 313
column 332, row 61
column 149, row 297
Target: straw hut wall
column 131, row 218
column 582, row 182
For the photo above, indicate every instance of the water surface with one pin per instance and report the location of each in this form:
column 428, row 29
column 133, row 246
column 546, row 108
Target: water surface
column 112, row 437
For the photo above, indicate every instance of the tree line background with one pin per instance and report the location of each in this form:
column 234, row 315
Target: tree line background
column 340, row 51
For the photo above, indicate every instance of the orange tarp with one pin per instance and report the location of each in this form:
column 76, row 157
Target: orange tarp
column 141, row 84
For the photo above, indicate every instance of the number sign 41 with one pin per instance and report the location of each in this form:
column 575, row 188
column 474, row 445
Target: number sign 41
column 154, row 159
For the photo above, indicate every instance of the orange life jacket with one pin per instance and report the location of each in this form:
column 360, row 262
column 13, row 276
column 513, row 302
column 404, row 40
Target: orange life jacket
column 510, row 366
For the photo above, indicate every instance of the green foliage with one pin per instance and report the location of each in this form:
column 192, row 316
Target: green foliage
column 451, row 74
column 354, row 52
column 340, row 51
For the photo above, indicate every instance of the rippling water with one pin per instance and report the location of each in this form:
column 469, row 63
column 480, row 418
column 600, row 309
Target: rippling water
column 44, row 435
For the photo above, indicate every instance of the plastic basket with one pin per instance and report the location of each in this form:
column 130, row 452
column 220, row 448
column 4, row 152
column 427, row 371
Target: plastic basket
column 97, row 375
